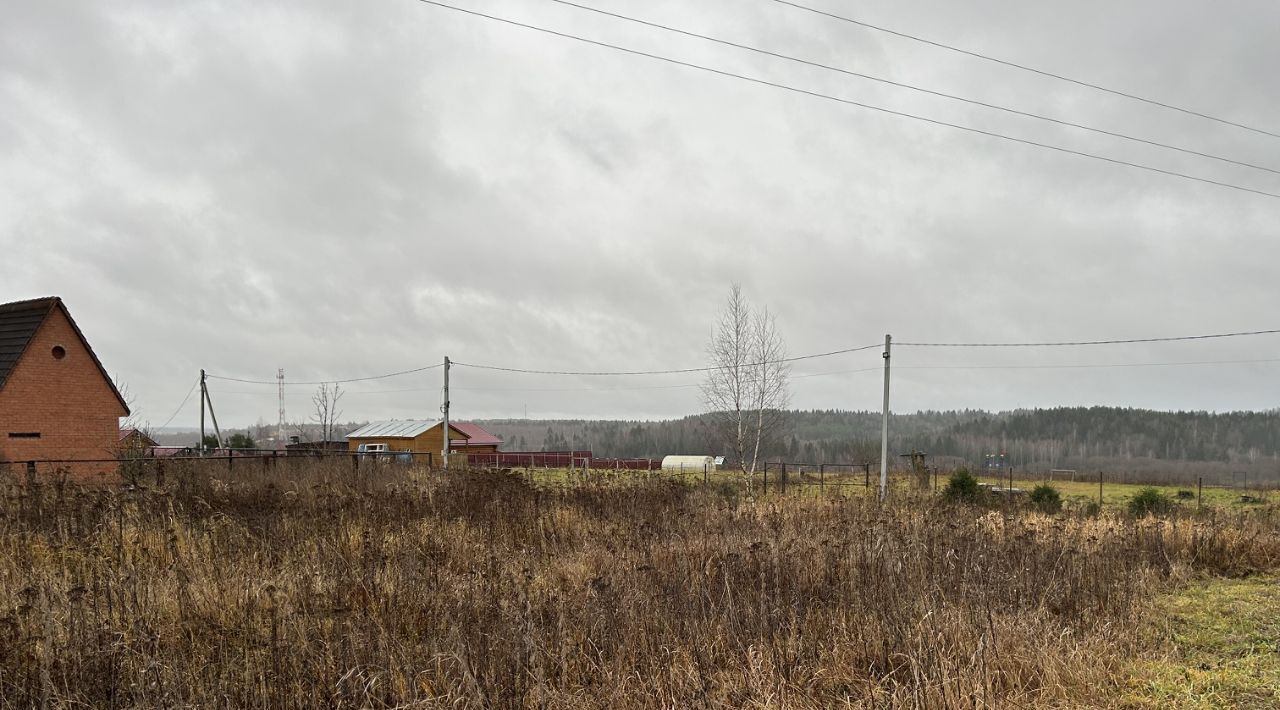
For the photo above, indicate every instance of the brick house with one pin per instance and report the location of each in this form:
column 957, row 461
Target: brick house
column 57, row 402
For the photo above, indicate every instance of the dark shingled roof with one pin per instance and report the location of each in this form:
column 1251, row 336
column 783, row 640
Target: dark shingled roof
column 19, row 322
column 18, row 325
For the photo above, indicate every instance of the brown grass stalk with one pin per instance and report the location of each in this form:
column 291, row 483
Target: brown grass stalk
column 310, row 586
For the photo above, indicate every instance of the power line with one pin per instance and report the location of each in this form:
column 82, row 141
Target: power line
column 809, row 375
column 561, row 389
column 296, row 395
column 850, row 102
column 328, row 382
column 1085, row 366
column 898, row 367
column 845, row 351
column 1024, row 67
column 911, row 87
column 680, row 371
column 180, row 406
column 1070, row 366
column 1090, row 342
column 692, row 385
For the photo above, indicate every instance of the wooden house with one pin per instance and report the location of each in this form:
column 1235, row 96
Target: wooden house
column 424, row 436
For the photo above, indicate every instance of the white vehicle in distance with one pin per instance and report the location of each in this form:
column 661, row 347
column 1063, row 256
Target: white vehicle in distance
column 382, row 452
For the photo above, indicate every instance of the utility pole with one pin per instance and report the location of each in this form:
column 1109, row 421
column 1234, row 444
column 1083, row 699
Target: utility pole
column 203, row 396
column 217, row 433
column 884, row 424
column 280, row 396
column 444, row 455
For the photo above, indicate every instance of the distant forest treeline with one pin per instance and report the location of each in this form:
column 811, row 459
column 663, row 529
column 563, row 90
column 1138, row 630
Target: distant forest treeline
column 1066, row 437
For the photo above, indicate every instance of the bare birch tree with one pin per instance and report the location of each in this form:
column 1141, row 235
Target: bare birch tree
column 771, row 388
column 326, row 413
column 746, row 393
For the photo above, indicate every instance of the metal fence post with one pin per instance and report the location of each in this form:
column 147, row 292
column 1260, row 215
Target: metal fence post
column 782, row 486
column 1099, row 490
column 822, row 477
column 1200, row 492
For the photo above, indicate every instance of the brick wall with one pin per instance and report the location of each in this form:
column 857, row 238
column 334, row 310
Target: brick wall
column 66, row 401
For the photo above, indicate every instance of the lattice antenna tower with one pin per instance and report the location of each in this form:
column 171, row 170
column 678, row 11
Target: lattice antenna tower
column 280, row 391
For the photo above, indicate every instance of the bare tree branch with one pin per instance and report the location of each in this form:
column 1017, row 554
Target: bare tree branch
column 326, row 412
column 746, row 394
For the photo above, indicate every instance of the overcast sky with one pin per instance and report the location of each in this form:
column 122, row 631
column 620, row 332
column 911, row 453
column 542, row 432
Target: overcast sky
column 351, row 188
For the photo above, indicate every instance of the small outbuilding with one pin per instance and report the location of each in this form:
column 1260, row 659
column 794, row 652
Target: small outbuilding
column 135, row 443
column 425, row 436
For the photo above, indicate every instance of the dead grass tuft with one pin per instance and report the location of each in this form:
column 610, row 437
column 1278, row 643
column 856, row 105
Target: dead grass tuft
column 308, row 587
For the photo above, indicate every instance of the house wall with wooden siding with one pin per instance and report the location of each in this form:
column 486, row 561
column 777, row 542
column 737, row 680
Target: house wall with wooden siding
column 393, row 443
column 66, row 401
column 428, row 442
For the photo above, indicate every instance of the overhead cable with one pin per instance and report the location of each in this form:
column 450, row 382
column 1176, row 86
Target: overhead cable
column 1089, row 342
column 911, row 87
column 1086, row 366
column 691, row 385
column 684, row 370
column 327, row 382
column 694, row 385
column 180, row 406
column 850, row 102
column 1024, row 67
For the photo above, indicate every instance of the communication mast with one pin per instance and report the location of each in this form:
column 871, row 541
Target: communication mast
column 280, row 426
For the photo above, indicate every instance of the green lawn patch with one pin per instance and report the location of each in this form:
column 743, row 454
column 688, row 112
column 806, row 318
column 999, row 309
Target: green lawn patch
column 1216, row 644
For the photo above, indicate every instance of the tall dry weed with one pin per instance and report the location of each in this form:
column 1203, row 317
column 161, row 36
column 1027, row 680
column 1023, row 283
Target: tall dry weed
column 310, row 586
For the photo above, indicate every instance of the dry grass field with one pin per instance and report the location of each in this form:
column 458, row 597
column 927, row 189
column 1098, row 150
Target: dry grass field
column 314, row 588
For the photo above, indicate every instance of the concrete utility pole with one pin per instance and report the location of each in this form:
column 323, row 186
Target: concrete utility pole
column 217, row 433
column 203, row 396
column 444, row 455
column 884, row 424
column 280, row 400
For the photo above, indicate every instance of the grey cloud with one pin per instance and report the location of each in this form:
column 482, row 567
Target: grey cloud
column 344, row 189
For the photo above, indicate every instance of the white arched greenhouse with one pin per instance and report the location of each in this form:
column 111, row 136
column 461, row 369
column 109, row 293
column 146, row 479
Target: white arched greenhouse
column 689, row 464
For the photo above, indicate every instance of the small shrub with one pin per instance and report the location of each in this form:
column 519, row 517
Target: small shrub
column 1091, row 509
column 1186, row 495
column 1149, row 501
column 1046, row 499
column 962, row 486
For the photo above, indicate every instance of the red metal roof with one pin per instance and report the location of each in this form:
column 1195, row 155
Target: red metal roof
column 476, row 436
